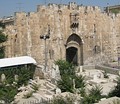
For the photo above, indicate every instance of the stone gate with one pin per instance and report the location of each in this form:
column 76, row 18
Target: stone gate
column 78, row 34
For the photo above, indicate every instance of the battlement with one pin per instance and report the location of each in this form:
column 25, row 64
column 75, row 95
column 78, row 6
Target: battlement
column 70, row 6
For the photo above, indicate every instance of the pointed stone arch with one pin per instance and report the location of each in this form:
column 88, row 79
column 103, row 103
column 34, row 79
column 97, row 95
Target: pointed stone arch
column 74, row 49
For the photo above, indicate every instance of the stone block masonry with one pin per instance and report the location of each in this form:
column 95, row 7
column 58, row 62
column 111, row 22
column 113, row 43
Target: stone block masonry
column 98, row 31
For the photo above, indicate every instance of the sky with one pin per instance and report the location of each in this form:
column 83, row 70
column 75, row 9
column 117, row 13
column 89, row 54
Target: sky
column 8, row 7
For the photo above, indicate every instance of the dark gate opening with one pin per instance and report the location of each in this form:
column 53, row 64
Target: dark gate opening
column 72, row 55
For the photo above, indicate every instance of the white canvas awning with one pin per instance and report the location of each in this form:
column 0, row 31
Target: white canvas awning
column 6, row 62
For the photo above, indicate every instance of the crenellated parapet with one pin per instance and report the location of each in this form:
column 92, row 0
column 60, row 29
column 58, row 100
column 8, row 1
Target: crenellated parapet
column 70, row 6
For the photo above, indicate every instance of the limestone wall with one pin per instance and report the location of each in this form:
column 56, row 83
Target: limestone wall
column 96, row 28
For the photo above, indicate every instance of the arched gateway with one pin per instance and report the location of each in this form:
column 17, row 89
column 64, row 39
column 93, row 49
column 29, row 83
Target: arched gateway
column 74, row 50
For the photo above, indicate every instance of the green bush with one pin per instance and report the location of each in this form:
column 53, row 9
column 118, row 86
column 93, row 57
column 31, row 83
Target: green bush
column 62, row 100
column 8, row 90
column 66, row 68
column 116, row 90
column 3, row 37
column 80, row 82
column 58, row 100
column 67, row 72
column 93, row 96
column 66, row 84
column 69, row 80
column 115, row 11
column 7, row 93
column 24, row 74
column 2, row 52
column 96, row 92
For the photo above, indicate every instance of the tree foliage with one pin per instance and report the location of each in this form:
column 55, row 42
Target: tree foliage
column 62, row 100
column 66, row 84
column 3, row 38
column 2, row 25
column 2, row 52
column 7, row 93
column 69, row 79
column 96, row 92
column 116, row 90
column 115, row 11
column 66, row 68
column 8, row 88
column 70, row 82
column 80, row 81
column 93, row 97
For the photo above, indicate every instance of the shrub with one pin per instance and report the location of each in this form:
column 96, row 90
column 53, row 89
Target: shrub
column 80, row 82
column 2, row 52
column 62, row 100
column 67, row 72
column 116, row 90
column 96, row 92
column 66, row 84
column 8, row 90
column 93, row 96
column 7, row 93
column 3, row 37
column 66, row 68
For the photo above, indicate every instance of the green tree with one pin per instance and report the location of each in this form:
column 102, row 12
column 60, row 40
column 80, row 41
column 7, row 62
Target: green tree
column 3, row 38
column 69, row 79
column 116, row 90
column 67, row 72
column 80, row 81
column 66, row 68
column 115, row 11
column 66, row 84
column 2, row 52
column 2, row 25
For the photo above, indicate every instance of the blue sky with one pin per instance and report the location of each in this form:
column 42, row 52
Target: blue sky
column 8, row 7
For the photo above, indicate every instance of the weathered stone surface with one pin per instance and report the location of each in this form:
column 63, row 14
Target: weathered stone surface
column 39, row 73
column 3, row 78
column 98, row 32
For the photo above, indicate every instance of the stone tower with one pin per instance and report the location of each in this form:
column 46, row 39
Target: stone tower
column 78, row 34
